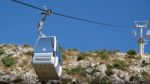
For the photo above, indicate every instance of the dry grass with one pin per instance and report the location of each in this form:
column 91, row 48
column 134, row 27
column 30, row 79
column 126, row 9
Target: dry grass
column 78, row 77
column 146, row 75
column 71, row 52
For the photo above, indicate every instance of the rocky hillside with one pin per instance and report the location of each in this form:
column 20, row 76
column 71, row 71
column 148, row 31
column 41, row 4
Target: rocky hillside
column 93, row 67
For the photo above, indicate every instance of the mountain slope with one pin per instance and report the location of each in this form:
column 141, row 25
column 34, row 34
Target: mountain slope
column 93, row 67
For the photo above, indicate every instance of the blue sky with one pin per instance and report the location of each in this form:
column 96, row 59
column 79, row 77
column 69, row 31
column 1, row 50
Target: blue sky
column 19, row 23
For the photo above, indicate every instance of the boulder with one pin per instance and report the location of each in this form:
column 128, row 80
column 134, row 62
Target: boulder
column 101, row 68
column 121, row 75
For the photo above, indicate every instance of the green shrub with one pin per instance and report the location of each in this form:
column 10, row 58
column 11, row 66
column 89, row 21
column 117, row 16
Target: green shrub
column 144, row 63
column 131, row 78
column 26, row 46
column 78, row 70
column 104, row 80
column 9, row 60
column 4, row 82
column 120, row 64
column 68, row 71
column 17, row 80
column 73, row 49
column 64, row 56
column 82, row 56
column 95, row 81
column 131, row 53
column 116, row 51
column 109, row 72
column 31, row 53
column 104, row 54
column 105, row 51
column 2, row 51
column 109, row 66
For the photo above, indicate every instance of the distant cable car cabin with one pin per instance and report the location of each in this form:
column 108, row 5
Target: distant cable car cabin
column 148, row 33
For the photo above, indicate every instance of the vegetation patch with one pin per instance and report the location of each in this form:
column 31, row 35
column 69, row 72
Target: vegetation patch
column 31, row 53
column 146, row 75
column 9, row 60
column 105, row 54
column 2, row 51
column 131, row 78
column 104, row 80
column 120, row 64
column 132, row 54
column 78, row 70
column 109, row 71
column 73, row 49
column 64, row 56
column 82, row 56
column 18, row 80
column 26, row 46
column 71, row 52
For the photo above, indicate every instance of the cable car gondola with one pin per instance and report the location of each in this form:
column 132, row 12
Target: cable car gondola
column 148, row 33
column 47, row 60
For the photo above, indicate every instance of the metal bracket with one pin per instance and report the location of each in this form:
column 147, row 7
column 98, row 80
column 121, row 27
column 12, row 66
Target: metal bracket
column 41, row 23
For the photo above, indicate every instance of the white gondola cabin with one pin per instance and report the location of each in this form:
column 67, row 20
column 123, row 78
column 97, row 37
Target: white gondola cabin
column 148, row 33
column 47, row 59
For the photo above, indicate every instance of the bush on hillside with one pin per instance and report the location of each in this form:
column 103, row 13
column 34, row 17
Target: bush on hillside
column 71, row 52
column 109, row 66
column 120, row 64
column 9, row 60
column 116, row 51
column 2, row 51
column 104, row 80
column 131, row 53
column 78, row 70
column 82, row 56
column 31, row 53
column 104, row 54
column 18, row 80
column 144, row 63
column 64, row 56
column 26, row 46
column 104, row 51
column 109, row 71
column 73, row 49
